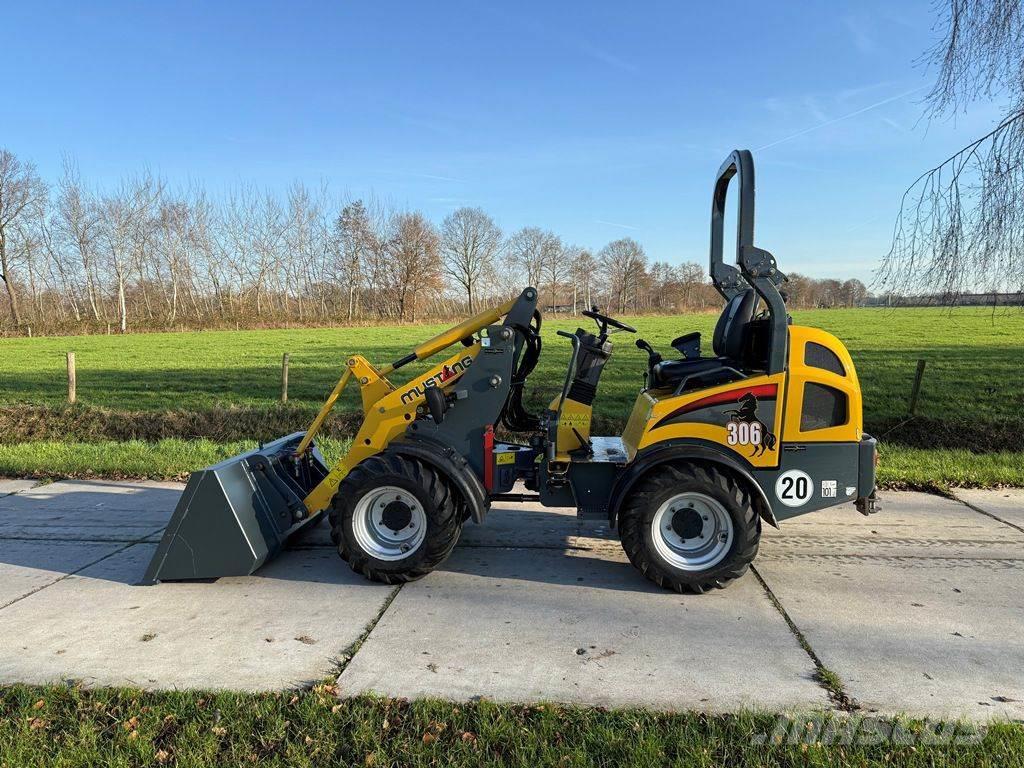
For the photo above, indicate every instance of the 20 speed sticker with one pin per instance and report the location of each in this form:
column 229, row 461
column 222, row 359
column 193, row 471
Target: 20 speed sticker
column 794, row 488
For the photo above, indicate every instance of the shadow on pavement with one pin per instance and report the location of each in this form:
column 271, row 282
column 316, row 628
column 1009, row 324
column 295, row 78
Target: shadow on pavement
column 68, row 526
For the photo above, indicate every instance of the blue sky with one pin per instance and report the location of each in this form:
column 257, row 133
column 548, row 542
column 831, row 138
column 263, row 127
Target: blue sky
column 596, row 120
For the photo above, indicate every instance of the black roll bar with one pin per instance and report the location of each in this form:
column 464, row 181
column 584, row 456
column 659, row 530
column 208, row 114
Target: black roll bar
column 755, row 267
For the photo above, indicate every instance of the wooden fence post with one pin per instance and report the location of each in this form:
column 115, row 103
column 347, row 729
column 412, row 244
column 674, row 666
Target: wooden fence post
column 71, row 377
column 284, row 378
column 917, row 386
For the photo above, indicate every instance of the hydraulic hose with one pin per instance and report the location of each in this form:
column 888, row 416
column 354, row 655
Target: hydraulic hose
column 514, row 415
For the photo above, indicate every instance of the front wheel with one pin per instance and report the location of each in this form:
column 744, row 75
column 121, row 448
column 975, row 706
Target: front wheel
column 689, row 527
column 395, row 519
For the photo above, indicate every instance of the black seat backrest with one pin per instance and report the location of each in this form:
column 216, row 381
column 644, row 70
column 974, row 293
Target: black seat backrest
column 730, row 331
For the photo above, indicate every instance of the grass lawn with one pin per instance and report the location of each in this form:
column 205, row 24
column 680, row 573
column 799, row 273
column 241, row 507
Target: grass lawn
column 70, row 726
column 188, row 396
column 975, row 359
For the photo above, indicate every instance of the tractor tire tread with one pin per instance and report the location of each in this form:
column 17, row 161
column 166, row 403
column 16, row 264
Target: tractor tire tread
column 632, row 524
column 444, row 517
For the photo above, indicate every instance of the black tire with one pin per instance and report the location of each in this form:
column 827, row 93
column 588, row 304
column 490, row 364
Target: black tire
column 440, row 502
column 668, row 481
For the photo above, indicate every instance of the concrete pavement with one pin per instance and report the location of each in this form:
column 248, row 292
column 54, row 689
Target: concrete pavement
column 918, row 609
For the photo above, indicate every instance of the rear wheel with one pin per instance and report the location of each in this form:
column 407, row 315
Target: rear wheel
column 689, row 527
column 395, row 519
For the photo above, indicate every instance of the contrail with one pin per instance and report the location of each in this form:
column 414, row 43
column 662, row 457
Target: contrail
column 860, row 111
column 616, row 224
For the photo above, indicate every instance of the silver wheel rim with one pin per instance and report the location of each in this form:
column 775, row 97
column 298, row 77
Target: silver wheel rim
column 692, row 531
column 375, row 514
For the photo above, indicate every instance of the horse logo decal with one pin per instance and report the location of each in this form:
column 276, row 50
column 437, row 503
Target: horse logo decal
column 746, row 429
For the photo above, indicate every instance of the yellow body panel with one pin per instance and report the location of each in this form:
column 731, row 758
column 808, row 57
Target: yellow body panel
column 575, row 416
column 637, row 423
column 658, row 426
column 649, row 423
column 800, row 374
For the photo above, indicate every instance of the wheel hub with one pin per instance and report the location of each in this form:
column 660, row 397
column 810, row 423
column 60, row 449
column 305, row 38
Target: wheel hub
column 389, row 523
column 692, row 531
column 687, row 523
column 397, row 515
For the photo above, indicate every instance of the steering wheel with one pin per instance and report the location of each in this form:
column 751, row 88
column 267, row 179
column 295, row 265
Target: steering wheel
column 603, row 321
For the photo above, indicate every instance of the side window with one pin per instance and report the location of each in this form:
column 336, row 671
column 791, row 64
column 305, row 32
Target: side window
column 818, row 356
column 823, row 407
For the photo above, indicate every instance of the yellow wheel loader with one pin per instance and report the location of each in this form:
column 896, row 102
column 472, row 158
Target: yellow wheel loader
column 764, row 425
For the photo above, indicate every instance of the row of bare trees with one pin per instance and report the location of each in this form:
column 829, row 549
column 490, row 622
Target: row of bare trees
column 145, row 256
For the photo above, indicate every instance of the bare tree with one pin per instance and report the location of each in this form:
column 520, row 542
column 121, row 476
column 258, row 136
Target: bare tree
column 353, row 237
column 22, row 192
column 125, row 230
column 854, row 293
column 527, row 249
column 625, row 264
column 470, row 241
column 413, row 261
column 77, row 224
column 691, row 280
column 961, row 223
column 582, row 273
column 554, row 267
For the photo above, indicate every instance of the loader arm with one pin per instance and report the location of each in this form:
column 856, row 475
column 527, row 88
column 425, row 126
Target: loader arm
column 387, row 410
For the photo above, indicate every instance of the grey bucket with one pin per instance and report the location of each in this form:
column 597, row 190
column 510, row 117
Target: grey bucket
column 236, row 515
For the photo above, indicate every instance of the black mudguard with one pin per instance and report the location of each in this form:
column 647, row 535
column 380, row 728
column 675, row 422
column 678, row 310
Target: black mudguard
column 694, row 450
column 452, row 465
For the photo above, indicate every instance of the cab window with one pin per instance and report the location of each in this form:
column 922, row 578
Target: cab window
column 823, row 407
column 819, row 356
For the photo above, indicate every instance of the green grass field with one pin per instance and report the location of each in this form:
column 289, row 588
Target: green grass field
column 975, row 359
column 184, row 387
column 70, row 726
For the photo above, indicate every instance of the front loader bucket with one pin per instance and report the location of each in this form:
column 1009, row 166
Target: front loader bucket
column 235, row 516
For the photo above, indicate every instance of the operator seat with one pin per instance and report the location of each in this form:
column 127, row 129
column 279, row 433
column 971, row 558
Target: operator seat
column 728, row 343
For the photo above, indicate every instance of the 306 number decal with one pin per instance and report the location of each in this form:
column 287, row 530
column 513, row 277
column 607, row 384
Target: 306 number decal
column 744, row 433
